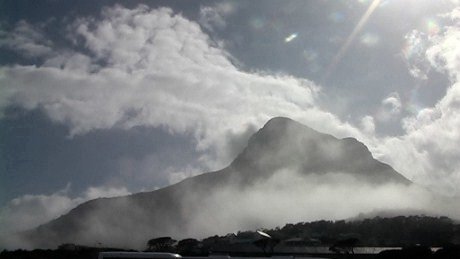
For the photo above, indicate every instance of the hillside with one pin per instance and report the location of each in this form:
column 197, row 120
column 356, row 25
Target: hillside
column 224, row 200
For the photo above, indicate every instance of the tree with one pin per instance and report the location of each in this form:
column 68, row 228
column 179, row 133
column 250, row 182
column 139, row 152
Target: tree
column 189, row 246
column 266, row 244
column 344, row 246
column 160, row 244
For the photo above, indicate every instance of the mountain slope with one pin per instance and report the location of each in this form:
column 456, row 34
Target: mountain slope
column 285, row 144
column 202, row 204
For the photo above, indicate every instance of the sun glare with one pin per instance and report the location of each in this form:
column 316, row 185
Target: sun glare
column 343, row 50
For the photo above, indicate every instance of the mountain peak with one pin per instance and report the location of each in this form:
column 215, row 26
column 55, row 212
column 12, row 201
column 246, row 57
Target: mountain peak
column 280, row 129
column 283, row 143
column 281, row 124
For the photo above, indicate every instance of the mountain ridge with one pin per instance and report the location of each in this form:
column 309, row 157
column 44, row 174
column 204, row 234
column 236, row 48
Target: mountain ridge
column 310, row 149
column 281, row 145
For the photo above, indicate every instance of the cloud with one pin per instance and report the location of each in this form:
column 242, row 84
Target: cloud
column 213, row 17
column 443, row 53
column 390, row 107
column 176, row 175
column 155, row 68
column 368, row 125
column 103, row 192
column 29, row 211
column 392, row 103
column 414, row 54
column 290, row 198
column 27, row 40
column 429, row 152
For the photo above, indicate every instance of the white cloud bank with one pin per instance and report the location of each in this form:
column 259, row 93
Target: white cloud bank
column 287, row 197
column 284, row 197
column 153, row 67
column 429, row 152
column 28, row 211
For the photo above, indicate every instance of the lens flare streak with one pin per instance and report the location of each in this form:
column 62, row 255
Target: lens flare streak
column 343, row 50
column 290, row 37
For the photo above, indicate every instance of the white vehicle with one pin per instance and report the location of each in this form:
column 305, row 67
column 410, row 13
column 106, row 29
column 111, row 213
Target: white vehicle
column 134, row 255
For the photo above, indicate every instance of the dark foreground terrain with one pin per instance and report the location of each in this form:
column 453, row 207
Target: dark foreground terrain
column 416, row 252
column 397, row 237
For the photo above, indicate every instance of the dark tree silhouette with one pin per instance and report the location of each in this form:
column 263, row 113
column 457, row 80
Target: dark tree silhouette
column 189, row 246
column 344, row 246
column 160, row 244
column 266, row 244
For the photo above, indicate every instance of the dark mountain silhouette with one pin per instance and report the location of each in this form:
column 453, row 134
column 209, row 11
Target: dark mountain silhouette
column 282, row 144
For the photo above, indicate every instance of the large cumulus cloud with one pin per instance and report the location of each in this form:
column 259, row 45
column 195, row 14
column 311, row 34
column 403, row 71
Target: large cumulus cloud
column 153, row 67
column 429, row 151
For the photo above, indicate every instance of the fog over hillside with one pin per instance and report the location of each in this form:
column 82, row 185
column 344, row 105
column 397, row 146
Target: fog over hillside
column 288, row 173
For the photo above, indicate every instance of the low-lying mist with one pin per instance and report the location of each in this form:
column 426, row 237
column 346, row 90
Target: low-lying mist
column 290, row 197
column 285, row 197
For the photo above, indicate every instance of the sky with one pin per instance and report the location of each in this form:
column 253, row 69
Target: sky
column 107, row 98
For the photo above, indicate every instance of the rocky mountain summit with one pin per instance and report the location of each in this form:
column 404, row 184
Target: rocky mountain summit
column 286, row 144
